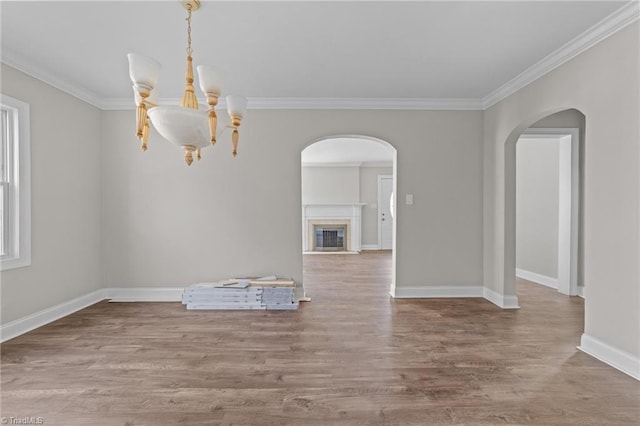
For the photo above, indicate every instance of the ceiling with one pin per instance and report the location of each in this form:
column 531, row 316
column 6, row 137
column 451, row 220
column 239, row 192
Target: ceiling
column 348, row 151
column 340, row 50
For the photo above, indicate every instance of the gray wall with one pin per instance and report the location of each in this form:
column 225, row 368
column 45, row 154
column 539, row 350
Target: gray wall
column 603, row 84
column 326, row 185
column 537, row 165
column 165, row 224
column 65, row 200
column 369, row 195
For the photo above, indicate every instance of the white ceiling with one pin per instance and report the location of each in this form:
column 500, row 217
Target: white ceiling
column 351, row 151
column 296, row 49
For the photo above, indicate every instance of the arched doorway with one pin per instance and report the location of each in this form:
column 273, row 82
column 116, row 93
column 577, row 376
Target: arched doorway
column 560, row 123
column 349, row 197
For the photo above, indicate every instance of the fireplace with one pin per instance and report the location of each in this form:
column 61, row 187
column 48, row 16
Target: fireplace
column 329, row 237
column 342, row 220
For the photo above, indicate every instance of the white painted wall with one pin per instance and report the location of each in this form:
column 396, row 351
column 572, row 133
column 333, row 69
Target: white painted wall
column 369, row 195
column 65, row 200
column 603, row 84
column 537, row 192
column 165, row 224
column 326, row 185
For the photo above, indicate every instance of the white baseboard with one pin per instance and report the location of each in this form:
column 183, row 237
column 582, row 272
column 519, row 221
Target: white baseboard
column 581, row 291
column 142, row 294
column 30, row 322
column 370, row 247
column 505, row 302
column 436, row 292
column 537, row 278
column 618, row 359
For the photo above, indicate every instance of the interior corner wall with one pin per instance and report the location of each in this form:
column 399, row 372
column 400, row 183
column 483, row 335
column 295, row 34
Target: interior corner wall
column 369, row 196
column 166, row 224
column 603, row 84
column 65, row 199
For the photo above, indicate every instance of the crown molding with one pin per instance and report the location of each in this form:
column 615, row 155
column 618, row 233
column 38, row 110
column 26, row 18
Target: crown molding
column 610, row 25
column 325, row 103
column 371, row 164
column 19, row 62
column 331, row 164
column 366, row 103
column 618, row 20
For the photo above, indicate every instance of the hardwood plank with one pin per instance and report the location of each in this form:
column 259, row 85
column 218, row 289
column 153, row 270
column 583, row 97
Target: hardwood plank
column 353, row 356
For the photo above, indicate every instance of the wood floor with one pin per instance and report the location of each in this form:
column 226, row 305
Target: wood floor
column 352, row 356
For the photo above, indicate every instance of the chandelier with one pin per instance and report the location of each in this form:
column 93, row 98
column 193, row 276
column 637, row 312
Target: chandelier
column 184, row 125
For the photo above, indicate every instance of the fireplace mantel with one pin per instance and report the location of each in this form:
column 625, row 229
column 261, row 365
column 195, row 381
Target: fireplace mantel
column 347, row 213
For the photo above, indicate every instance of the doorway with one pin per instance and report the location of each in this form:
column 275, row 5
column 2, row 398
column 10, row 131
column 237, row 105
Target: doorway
column 386, row 214
column 349, row 182
column 547, row 207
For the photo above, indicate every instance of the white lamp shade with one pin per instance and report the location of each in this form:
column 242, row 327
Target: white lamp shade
column 181, row 126
column 210, row 80
column 236, row 106
column 152, row 98
column 143, row 70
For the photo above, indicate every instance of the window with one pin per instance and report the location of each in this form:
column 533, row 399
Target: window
column 15, row 196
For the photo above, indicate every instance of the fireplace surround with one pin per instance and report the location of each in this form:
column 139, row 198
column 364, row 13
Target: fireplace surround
column 332, row 216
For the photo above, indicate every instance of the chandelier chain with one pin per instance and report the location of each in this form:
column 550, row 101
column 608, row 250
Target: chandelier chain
column 189, row 49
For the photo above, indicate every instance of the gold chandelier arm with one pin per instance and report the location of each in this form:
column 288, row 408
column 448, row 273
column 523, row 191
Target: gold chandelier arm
column 213, row 124
column 145, row 134
column 141, row 118
column 234, row 140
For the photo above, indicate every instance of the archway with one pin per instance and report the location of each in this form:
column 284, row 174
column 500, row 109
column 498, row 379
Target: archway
column 574, row 267
column 349, row 196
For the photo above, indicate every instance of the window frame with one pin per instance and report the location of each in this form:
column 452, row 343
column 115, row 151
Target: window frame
column 16, row 220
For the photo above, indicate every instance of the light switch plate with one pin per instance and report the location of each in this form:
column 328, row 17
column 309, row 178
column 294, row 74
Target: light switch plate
column 409, row 199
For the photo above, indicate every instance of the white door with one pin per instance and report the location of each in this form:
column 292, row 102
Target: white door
column 386, row 212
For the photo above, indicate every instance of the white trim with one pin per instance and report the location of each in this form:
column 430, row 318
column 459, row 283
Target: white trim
column 23, row 64
column 30, row 322
column 427, row 292
column 19, row 217
column 326, row 103
column 505, row 302
column 370, row 247
column 618, row 359
column 152, row 294
column 334, row 164
column 386, row 164
column 610, row 25
column 537, row 278
column 581, row 291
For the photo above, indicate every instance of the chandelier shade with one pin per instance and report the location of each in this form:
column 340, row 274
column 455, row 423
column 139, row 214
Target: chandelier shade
column 181, row 126
column 210, row 80
column 143, row 71
column 185, row 125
